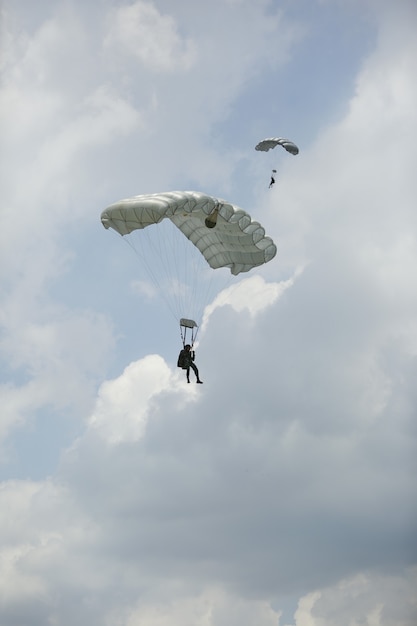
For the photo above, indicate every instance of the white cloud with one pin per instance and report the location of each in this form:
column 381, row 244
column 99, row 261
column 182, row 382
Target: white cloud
column 122, row 408
column 213, row 607
column 58, row 358
column 367, row 599
column 144, row 288
column 153, row 38
column 44, row 529
column 252, row 294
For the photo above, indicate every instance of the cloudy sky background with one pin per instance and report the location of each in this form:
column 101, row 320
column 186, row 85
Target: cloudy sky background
column 281, row 492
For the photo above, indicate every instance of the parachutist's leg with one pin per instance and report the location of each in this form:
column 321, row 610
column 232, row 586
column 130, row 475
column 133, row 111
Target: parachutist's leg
column 188, row 374
column 195, row 370
column 196, row 373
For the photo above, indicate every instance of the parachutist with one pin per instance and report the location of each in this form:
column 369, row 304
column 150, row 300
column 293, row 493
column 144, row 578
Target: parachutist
column 186, row 361
column 211, row 220
column 270, row 144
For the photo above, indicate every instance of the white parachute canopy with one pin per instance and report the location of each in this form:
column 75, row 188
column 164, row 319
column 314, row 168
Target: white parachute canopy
column 273, row 142
column 181, row 236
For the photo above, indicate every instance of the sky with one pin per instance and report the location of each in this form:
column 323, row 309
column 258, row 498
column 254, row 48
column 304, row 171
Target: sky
column 282, row 491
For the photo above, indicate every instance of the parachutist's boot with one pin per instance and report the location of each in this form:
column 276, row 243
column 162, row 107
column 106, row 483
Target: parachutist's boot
column 188, row 380
column 199, row 381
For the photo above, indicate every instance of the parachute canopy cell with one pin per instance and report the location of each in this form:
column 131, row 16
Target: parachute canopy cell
column 229, row 238
column 269, row 144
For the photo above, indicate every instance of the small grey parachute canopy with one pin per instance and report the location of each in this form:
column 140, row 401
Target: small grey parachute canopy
column 224, row 234
column 269, row 144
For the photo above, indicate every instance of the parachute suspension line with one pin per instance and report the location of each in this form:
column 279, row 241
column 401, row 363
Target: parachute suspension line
column 194, row 280
column 181, row 258
column 160, row 251
column 140, row 253
column 175, row 267
column 200, row 278
column 154, row 278
column 194, row 335
column 186, row 264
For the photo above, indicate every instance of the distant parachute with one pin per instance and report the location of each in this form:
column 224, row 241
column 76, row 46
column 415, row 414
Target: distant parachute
column 180, row 235
column 269, row 144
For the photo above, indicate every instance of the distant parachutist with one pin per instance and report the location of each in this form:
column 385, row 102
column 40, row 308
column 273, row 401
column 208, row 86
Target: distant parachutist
column 269, row 144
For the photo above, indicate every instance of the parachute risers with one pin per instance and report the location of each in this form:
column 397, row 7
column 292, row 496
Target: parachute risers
column 193, row 328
